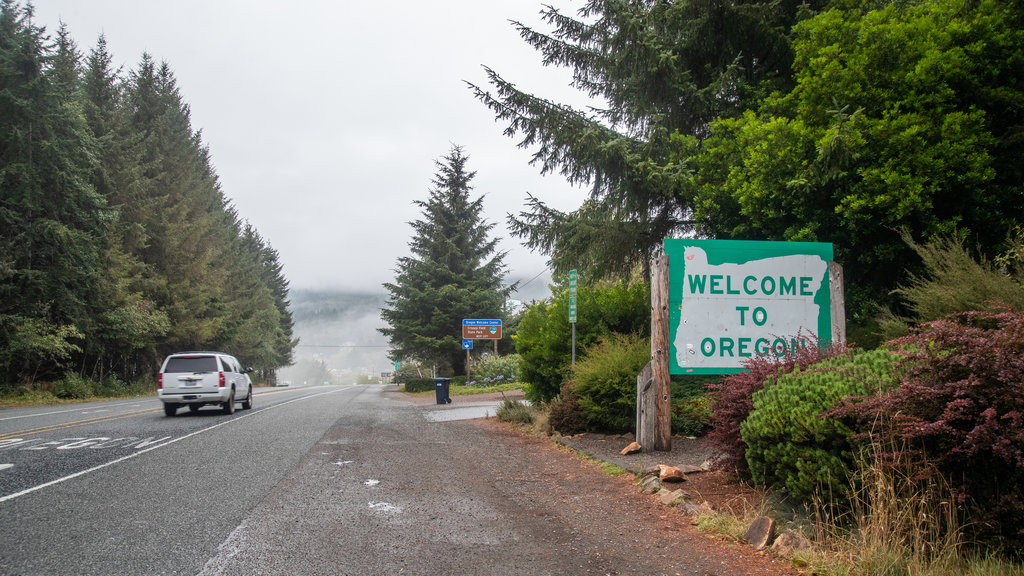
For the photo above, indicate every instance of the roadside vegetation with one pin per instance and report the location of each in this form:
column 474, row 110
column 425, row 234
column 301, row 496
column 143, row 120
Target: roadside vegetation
column 118, row 244
column 903, row 459
column 892, row 131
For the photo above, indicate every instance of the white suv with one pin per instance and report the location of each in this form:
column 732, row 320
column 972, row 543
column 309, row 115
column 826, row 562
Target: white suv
column 195, row 379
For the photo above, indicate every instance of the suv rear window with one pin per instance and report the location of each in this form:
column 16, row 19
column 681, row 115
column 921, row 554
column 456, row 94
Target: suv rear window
column 184, row 364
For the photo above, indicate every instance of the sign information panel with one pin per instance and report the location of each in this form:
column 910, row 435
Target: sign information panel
column 481, row 329
column 730, row 300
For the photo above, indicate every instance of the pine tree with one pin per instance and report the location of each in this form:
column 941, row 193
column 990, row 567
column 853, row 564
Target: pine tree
column 666, row 70
column 455, row 272
column 51, row 218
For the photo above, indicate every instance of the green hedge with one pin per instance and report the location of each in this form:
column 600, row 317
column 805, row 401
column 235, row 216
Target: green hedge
column 790, row 445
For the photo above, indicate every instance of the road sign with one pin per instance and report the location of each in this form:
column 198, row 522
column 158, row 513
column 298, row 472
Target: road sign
column 473, row 329
column 730, row 300
column 572, row 296
column 467, row 344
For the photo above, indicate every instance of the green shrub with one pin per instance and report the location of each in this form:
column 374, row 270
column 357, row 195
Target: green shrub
column 419, row 385
column 691, row 404
column 790, row 445
column 605, row 381
column 690, row 416
column 544, row 337
column 953, row 281
column 515, row 412
column 565, row 414
column 73, row 387
column 732, row 397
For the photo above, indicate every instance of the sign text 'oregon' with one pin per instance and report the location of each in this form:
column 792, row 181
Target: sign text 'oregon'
column 731, row 300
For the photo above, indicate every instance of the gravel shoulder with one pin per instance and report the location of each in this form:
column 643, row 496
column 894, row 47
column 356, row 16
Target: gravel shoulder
column 620, row 498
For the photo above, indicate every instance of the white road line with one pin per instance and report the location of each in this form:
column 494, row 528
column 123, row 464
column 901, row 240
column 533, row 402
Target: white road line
column 6, row 466
column 78, row 409
column 150, row 449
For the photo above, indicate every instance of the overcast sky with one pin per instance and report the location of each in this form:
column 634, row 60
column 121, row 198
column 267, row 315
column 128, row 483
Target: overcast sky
column 324, row 118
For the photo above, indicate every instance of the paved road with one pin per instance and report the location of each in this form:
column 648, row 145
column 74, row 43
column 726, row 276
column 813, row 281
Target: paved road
column 326, row 480
column 118, row 488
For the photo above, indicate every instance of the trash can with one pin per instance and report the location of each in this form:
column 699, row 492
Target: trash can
column 441, row 390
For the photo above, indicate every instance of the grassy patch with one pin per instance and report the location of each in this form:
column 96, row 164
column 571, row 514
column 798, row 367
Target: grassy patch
column 606, row 467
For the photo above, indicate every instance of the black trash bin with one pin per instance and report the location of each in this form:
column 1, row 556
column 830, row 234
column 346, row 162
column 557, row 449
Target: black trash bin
column 441, row 390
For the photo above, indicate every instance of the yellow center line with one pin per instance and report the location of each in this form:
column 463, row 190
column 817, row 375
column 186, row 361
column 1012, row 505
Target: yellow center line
column 54, row 427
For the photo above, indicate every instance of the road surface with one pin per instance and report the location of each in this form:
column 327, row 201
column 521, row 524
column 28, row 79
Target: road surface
column 322, row 480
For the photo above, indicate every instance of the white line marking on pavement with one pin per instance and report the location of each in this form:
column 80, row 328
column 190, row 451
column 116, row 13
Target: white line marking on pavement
column 155, row 405
column 6, row 466
column 150, row 449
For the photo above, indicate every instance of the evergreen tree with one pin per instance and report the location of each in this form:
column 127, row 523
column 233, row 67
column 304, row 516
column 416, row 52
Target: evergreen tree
column 454, row 273
column 666, row 70
column 180, row 207
column 51, row 218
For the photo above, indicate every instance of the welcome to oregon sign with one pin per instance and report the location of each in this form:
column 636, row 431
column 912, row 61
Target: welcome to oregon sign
column 730, row 300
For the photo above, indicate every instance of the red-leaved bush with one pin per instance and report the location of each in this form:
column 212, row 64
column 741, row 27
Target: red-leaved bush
column 959, row 411
column 732, row 397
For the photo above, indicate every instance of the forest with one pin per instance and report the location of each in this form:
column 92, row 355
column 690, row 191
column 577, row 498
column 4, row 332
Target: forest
column 118, row 244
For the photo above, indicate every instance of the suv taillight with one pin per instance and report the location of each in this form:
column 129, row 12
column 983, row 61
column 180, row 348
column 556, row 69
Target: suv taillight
column 160, row 382
column 221, row 379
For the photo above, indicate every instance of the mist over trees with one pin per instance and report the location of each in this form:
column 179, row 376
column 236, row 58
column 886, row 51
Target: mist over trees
column 455, row 272
column 823, row 121
column 117, row 244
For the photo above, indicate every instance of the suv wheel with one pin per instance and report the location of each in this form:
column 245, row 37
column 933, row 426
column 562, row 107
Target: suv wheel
column 247, row 403
column 170, row 409
column 229, row 406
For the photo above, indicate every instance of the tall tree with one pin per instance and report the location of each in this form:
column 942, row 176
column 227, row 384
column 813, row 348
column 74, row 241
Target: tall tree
column 455, row 272
column 904, row 117
column 51, row 218
column 181, row 209
column 666, row 70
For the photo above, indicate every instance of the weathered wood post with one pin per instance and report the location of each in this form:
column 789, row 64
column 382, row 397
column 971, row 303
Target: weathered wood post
column 660, row 350
column 835, row 275
column 645, row 416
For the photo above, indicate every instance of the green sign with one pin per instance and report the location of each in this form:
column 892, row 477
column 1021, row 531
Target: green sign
column 572, row 296
column 731, row 300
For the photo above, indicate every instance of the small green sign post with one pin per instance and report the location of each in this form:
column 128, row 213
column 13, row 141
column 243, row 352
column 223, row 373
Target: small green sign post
column 573, row 278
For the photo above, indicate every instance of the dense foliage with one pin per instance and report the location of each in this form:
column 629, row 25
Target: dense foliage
column 604, row 381
column 666, row 70
column 953, row 280
column 790, row 445
column 454, row 272
column 544, row 337
column 959, row 412
column 827, row 121
column 565, row 414
column 732, row 398
column 117, row 244
column 904, row 116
